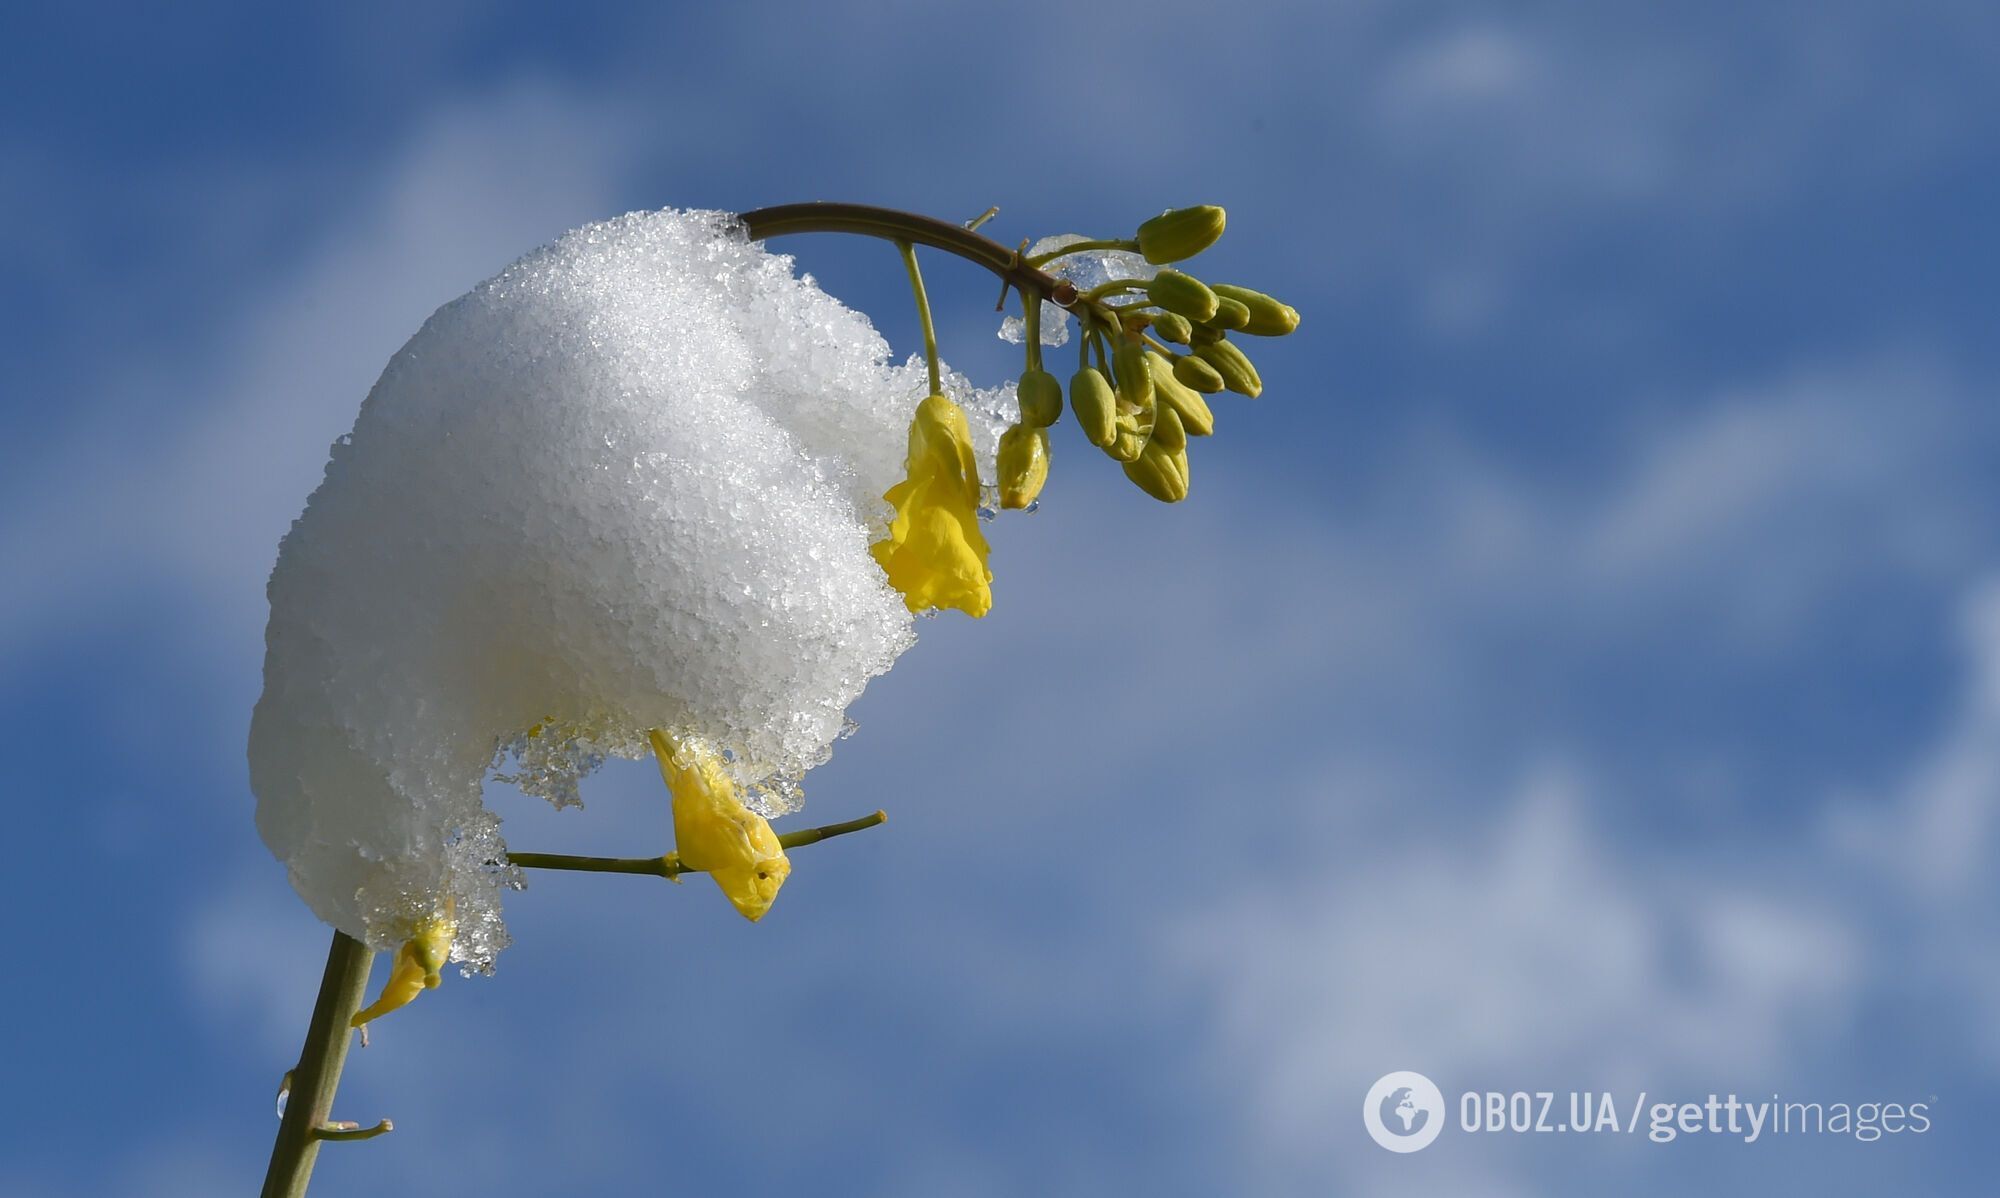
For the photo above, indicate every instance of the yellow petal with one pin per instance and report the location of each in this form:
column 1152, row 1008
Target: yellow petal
column 418, row 967
column 935, row 553
column 714, row 832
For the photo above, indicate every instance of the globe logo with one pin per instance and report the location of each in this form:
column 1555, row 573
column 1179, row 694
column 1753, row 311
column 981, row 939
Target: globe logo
column 1403, row 1112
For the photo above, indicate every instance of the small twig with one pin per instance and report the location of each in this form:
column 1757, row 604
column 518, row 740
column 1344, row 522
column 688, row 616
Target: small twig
column 670, row 866
column 982, row 218
column 345, row 1131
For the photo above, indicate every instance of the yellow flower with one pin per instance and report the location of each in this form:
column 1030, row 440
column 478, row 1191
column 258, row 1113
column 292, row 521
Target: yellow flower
column 717, row 834
column 417, row 967
column 934, row 553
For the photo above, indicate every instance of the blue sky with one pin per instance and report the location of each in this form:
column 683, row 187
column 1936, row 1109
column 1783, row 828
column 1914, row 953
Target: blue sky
column 1581, row 670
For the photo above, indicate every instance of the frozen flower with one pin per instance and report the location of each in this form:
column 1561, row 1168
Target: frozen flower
column 630, row 483
column 934, row 553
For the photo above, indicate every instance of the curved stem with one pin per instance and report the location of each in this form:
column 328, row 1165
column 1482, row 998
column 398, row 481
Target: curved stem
column 1111, row 243
column 909, row 253
column 1114, row 287
column 309, row 1107
column 891, row 225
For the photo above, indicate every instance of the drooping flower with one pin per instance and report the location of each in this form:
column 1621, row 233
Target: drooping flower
column 418, row 967
column 934, row 553
column 714, row 832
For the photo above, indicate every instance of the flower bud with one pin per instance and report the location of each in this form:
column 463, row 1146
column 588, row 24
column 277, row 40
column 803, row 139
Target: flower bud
column 1237, row 373
column 1135, row 379
column 1161, row 473
column 1187, row 404
column 1096, row 407
column 1040, row 396
column 1205, row 335
column 1229, row 314
column 1181, row 233
column 1268, row 317
column 1172, row 326
column 1134, row 430
column 1168, row 431
column 1023, row 465
column 1185, row 294
column 1195, row 373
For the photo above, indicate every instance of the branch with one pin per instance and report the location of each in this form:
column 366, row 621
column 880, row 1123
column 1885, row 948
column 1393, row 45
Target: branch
column 671, row 866
column 891, row 225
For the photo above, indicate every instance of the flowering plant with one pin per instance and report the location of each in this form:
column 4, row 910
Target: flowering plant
column 646, row 492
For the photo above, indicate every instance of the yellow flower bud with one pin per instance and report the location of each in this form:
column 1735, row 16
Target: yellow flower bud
column 1040, row 396
column 1268, row 317
column 1229, row 314
column 1172, row 326
column 1237, row 373
column 1195, row 373
column 418, row 966
column 1181, row 233
column 1161, row 473
column 1205, row 335
column 1023, row 464
column 1185, row 294
column 1168, row 431
column 1134, row 430
column 1187, row 404
column 1134, row 377
column 1096, row 407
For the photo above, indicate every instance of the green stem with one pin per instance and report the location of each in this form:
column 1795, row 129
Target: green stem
column 1082, row 247
column 1114, row 287
column 671, row 866
column 344, row 1132
column 909, row 253
column 1031, row 317
column 309, row 1107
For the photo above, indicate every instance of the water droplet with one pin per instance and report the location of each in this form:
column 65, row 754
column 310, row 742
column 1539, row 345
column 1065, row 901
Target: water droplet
column 1034, row 505
column 987, row 514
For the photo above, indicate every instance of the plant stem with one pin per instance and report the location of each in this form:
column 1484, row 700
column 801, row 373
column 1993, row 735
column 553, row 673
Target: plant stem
column 1031, row 319
column 1113, row 243
column 889, row 224
column 909, row 253
column 671, row 866
column 309, row 1107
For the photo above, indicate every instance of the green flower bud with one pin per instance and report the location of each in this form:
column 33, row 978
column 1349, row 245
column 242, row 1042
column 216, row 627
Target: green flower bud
column 1185, row 294
column 1181, row 233
column 1161, row 473
column 1040, row 396
column 1135, row 379
column 1188, row 405
column 1229, row 314
column 1023, row 465
column 1237, row 373
column 1172, row 326
column 1268, row 317
column 1168, row 431
column 1205, row 335
column 1134, row 430
column 1095, row 405
column 1195, row 373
